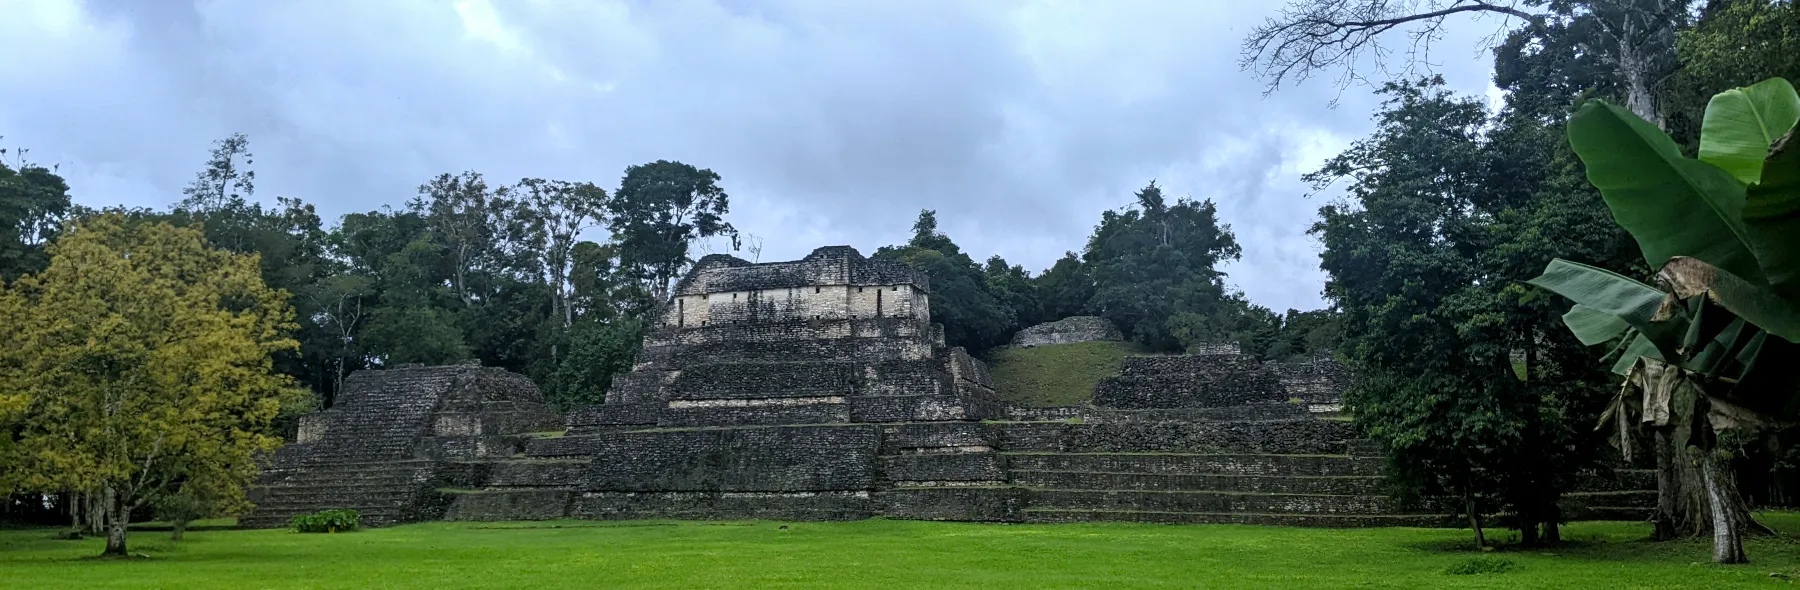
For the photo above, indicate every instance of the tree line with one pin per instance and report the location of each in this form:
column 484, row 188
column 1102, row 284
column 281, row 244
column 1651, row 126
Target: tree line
column 155, row 354
column 1468, row 374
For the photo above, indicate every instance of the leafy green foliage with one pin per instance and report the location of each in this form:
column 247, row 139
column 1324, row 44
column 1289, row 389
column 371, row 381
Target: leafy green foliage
column 962, row 297
column 1448, row 208
column 33, row 201
column 1693, row 357
column 1741, row 123
column 596, row 352
column 1673, row 205
column 1156, row 262
column 140, row 366
column 1734, row 43
column 326, row 521
column 660, row 209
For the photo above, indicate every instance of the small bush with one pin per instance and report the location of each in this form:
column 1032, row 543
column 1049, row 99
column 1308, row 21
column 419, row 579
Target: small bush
column 1480, row 565
column 327, row 521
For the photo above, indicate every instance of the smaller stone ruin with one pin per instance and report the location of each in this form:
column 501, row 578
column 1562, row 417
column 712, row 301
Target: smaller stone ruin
column 1068, row 330
column 1198, row 387
column 394, row 437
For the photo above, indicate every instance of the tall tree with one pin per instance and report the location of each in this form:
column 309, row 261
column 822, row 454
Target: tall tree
column 1446, row 214
column 407, row 274
column 1157, row 261
column 659, row 211
column 1635, row 37
column 33, row 202
column 226, row 179
column 145, row 361
column 553, row 213
column 466, row 220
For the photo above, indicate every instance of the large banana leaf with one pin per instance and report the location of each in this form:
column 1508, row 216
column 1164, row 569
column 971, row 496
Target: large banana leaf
column 1601, row 291
column 1606, row 292
column 1742, row 123
column 1772, row 218
column 1757, row 304
column 1592, row 326
column 1672, row 205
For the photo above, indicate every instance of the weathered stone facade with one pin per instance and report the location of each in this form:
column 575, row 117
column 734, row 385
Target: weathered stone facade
column 818, row 389
column 1085, row 328
column 393, row 438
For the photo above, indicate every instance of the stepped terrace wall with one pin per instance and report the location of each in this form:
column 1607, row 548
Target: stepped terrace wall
column 384, row 448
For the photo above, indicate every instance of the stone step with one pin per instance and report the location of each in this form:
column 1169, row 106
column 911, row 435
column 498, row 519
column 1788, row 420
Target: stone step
column 1621, row 513
column 920, row 408
column 286, row 489
column 1315, row 484
column 1296, row 436
column 833, row 505
column 1195, row 464
column 904, row 438
column 1250, row 412
column 1618, row 480
column 1616, row 499
column 941, row 467
column 1195, row 501
column 1264, row 519
column 499, row 504
column 532, row 473
column 756, row 412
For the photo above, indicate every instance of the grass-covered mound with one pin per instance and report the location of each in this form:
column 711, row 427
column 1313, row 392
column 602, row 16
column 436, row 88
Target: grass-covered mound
column 886, row 554
column 1055, row 374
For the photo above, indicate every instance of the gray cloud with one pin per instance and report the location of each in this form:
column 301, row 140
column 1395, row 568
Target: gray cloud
column 831, row 122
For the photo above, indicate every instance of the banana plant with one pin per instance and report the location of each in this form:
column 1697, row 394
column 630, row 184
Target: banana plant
column 1723, row 233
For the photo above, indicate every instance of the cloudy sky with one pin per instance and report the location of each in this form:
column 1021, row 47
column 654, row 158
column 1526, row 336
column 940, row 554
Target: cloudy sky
column 831, row 121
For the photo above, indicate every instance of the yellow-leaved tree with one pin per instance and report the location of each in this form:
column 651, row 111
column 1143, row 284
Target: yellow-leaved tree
column 138, row 366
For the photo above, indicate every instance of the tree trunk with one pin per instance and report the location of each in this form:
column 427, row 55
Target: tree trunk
column 179, row 527
column 96, row 513
column 1552, row 530
column 1728, row 545
column 1634, row 70
column 117, row 516
column 1474, row 520
column 1697, row 497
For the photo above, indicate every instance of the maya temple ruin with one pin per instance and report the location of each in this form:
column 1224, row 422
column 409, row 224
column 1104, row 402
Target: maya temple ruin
column 819, row 389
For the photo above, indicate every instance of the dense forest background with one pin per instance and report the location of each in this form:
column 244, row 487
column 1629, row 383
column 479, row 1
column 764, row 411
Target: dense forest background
column 468, row 269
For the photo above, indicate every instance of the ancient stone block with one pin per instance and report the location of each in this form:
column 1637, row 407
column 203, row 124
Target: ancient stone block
column 1068, row 330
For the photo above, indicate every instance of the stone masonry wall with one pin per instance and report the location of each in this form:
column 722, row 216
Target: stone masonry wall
column 1068, row 330
column 383, row 449
column 1190, row 381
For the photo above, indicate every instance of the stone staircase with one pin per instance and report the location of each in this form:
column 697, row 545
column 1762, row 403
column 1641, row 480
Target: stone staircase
column 393, row 439
column 386, row 492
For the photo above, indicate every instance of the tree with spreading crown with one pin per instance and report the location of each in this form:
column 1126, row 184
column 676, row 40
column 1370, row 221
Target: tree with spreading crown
column 139, row 366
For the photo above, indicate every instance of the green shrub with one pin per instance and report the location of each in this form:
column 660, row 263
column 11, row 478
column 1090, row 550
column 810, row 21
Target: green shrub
column 326, row 521
column 1480, row 565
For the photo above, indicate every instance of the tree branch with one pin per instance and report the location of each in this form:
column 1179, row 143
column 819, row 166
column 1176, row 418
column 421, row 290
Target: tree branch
column 1312, row 35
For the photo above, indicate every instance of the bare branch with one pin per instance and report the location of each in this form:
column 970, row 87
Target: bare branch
column 1313, row 35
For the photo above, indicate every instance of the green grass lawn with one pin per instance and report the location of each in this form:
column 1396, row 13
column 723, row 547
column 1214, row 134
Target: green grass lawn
column 882, row 554
column 1057, row 374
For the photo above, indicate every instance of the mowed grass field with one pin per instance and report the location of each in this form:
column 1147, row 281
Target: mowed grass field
column 884, row 554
